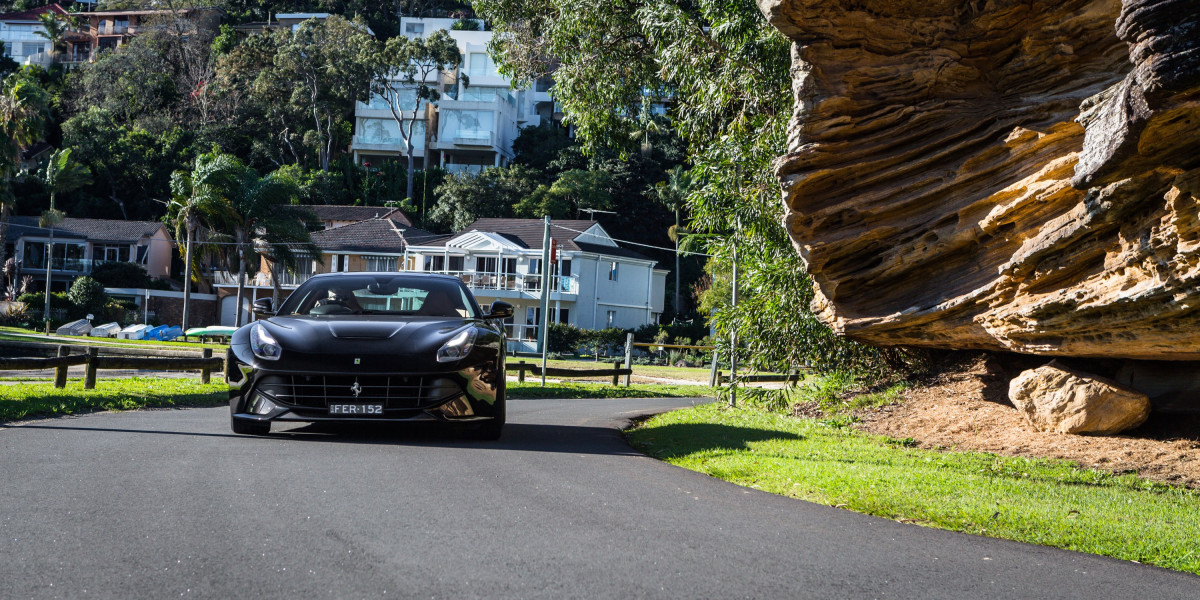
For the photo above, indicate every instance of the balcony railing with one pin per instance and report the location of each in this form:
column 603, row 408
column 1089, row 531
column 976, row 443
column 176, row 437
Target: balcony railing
column 515, row 282
column 68, row 265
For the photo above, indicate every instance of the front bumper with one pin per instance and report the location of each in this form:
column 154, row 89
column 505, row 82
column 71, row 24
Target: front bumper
column 266, row 395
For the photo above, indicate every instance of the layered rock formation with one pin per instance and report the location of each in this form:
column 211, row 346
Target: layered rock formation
column 1001, row 174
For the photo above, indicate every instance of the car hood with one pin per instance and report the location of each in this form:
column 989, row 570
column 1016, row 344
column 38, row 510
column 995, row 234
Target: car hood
column 363, row 335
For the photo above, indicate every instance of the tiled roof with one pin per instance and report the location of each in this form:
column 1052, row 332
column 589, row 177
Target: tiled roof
column 343, row 212
column 32, row 14
column 94, row 230
column 371, row 235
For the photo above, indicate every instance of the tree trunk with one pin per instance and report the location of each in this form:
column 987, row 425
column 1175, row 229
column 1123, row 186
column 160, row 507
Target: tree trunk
column 49, row 264
column 187, row 274
column 408, row 185
column 276, row 289
column 678, row 292
column 5, row 211
column 241, row 293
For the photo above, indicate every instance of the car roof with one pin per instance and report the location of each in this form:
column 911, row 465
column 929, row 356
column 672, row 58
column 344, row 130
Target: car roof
column 386, row 274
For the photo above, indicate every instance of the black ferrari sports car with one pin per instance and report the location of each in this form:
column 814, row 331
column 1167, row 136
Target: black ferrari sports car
column 371, row 347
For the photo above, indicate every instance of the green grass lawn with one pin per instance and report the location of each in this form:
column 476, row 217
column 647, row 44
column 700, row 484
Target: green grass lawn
column 32, row 400
column 533, row 389
column 1047, row 502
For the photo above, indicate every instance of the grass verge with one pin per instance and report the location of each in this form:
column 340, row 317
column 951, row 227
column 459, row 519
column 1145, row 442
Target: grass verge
column 16, row 334
column 32, row 400
column 605, row 390
column 1046, row 502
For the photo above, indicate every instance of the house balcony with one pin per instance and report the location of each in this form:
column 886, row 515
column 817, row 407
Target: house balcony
column 286, row 280
column 60, row 265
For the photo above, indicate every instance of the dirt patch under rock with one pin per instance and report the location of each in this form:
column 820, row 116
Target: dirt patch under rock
column 966, row 408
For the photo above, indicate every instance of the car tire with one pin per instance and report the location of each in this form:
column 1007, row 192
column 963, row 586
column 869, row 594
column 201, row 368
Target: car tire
column 245, row 427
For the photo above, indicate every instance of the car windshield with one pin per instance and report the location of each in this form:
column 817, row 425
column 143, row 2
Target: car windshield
column 381, row 294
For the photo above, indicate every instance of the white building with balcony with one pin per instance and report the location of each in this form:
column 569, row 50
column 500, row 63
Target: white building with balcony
column 473, row 125
column 596, row 284
column 82, row 244
column 21, row 31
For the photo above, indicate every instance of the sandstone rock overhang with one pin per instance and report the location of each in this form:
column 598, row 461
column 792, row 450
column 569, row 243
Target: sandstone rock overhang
column 1001, row 175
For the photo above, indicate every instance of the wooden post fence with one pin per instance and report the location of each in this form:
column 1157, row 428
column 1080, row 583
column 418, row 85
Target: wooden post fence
column 89, row 374
column 60, row 372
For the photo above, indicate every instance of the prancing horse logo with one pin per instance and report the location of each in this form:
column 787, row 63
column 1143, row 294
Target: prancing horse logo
column 357, row 389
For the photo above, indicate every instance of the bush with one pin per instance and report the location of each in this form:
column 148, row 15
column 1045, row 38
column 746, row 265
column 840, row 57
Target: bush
column 565, row 338
column 88, row 296
column 603, row 340
column 121, row 275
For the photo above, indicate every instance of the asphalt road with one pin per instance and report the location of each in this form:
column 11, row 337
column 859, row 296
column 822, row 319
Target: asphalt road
column 168, row 503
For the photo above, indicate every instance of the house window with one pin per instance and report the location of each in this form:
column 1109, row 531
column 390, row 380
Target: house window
column 380, row 263
column 612, row 270
column 456, row 263
column 564, row 267
column 435, row 263
column 610, row 318
column 110, row 253
column 32, row 48
column 485, row 264
column 563, row 315
column 417, row 29
column 510, row 266
column 535, row 266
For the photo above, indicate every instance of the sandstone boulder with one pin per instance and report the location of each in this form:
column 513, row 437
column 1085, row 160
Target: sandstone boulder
column 1055, row 398
column 1007, row 175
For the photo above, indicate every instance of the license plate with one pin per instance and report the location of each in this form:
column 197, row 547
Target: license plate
column 357, row 410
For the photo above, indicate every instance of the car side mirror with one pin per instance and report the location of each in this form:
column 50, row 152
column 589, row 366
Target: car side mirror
column 500, row 310
column 263, row 307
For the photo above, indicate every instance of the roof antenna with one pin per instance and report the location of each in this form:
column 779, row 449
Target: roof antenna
column 591, row 212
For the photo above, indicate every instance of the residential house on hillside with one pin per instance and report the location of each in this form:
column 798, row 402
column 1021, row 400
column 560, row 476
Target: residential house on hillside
column 111, row 29
column 22, row 42
column 473, row 126
column 81, row 244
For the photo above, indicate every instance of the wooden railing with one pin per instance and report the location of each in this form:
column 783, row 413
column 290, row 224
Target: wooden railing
column 93, row 362
column 521, row 367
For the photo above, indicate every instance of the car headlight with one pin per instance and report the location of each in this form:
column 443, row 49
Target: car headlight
column 458, row 347
column 263, row 344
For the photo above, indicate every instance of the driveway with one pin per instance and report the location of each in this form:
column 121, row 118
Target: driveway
column 167, row 503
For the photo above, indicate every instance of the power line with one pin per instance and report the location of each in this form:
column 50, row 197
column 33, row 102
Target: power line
column 636, row 243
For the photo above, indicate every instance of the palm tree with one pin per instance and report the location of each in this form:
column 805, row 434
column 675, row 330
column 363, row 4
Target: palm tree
column 54, row 28
column 24, row 110
column 264, row 223
column 201, row 198
column 61, row 174
column 674, row 192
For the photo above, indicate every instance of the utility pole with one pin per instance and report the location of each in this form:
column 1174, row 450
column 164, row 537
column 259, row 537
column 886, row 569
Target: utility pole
column 733, row 330
column 544, row 330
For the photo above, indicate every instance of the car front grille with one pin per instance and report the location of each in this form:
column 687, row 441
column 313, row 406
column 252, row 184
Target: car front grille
column 395, row 392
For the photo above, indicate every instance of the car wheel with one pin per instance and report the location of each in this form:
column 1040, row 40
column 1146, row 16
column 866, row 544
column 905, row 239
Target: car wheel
column 249, row 427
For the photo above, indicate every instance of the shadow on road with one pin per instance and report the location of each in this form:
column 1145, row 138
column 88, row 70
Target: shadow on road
column 517, row 436
column 681, row 439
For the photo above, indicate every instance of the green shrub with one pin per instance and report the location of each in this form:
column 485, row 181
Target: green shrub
column 565, row 338
column 121, row 275
column 88, row 296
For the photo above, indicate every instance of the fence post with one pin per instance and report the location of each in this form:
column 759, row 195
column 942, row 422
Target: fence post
column 60, row 372
column 714, row 377
column 89, row 374
column 521, row 372
column 628, row 356
column 616, row 378
column 206, row 373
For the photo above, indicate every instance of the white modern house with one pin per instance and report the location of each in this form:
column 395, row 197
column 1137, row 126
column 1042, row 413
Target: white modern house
column 19, row 32
column 472, row 127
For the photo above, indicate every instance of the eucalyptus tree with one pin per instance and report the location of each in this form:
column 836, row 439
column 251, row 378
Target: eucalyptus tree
column 201, row 198
column 673, row 193
column 61, row 174
column 24, row 110
column 725, row 73
column 407, row 73
column 321, row 69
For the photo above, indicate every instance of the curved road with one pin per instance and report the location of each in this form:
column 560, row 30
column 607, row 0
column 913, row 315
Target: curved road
column 167, row 503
